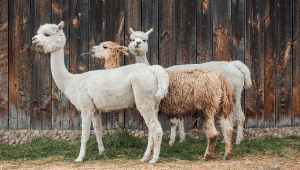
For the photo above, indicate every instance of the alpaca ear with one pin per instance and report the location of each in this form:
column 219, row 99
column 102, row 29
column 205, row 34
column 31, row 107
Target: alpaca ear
column 149, row 32
column 131, row 30
column 60, row 25
column 122, row 49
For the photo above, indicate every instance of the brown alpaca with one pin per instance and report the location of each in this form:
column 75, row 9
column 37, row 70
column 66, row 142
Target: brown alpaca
column 206, row 91
column 203, row 90
column 110, row 53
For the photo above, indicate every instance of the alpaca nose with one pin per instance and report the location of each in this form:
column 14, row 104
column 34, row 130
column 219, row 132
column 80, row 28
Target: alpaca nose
column 138, row 42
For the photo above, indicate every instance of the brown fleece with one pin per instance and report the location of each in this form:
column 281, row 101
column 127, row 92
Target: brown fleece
column 196, row 89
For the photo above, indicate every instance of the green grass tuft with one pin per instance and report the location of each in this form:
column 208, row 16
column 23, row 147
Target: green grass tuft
column 123, row 144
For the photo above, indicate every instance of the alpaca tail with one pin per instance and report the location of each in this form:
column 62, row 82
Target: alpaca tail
column 245, row 70
column 163, row 81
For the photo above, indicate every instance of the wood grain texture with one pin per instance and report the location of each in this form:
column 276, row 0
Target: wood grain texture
column 133, row 14
column 79, row 43
column 238, row 12
column 166, row 41
column 185, row 28
column 150, row 20
column 221, row 13
column 60, row 103
column 284, row 63
column 97, row 35
column 20, row 87
column 41, row 12
column 254, row 108
column 115, row 32
column 4, row 64
column 270, row 45
column 296, row 63
column 204, row 31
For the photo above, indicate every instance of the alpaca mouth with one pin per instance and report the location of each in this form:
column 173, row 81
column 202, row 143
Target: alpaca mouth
column 37, row 48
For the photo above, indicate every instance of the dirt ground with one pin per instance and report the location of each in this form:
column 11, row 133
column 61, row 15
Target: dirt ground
column 258, row 162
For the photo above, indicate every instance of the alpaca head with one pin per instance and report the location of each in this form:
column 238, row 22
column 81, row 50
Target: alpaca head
column 49, row 38
column 107, row 48
column 139, row 42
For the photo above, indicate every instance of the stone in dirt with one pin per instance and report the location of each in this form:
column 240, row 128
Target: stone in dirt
column 11, row 142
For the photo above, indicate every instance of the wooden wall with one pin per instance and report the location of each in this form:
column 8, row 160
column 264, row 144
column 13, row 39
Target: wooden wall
column 262, row 34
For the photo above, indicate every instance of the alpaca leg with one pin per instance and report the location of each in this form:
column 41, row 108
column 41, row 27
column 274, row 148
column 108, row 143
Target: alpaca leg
column 86, row 126
column 174, row 123
column 240, row 125
column 149, row 147
column 210, row 132
column 97, row 124
column 155, row 135
column 181, row 130
column 227, row 132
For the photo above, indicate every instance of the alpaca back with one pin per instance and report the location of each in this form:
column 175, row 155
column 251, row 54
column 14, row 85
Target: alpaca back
column 196, row 89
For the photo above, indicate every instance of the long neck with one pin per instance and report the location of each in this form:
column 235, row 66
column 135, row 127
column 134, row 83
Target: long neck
column 60, row 73
column 112, row 60
column 142, row 59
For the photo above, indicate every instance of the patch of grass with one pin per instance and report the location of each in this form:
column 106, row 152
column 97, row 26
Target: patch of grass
column 123, row 144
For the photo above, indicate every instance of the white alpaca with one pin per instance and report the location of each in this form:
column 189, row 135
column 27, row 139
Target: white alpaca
column 236, row 72
column 205, row 90
column 108, row 90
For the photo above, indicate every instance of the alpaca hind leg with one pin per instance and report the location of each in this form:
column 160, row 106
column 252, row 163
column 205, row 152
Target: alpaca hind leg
column 227, row 133
column 240, row 125
column 97, row 124
column 211, row 134
column 149, row 147
column 181, row 130
column 174, row 123
column 86, row 126
column 157, row 137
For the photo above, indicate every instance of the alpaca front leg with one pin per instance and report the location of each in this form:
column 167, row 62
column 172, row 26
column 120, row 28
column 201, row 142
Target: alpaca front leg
column 227, row 132
column 181, row 130
column 97, row 124
column 211, row 134
column 174, row 123
column 86, row 126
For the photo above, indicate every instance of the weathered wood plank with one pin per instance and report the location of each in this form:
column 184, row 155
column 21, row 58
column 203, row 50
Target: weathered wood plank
column 97, row 35
column 20, row 88
column 254, row 108
column 115, row 32
column 185, row 28
column 150, row 20
column 4, row 64
column 60, row 103
column 221, row 14
column 166, row 40
column 133, row 14
column 204, row 31
column 41, row 12
column 284, row 63
column 296, row 63
column 270, row 62
column 79, row 43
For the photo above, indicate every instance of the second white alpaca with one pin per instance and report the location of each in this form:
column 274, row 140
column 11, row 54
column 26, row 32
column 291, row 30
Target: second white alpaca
column 236, row 72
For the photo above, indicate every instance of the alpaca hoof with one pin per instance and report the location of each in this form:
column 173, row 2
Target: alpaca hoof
column 143, row 159
column 171, row 142
column 238, row 142
column 78, row 160
column 153, row 160
column 100, row 152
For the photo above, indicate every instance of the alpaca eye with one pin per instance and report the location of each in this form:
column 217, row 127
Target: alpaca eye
column 144, row 40
column 47, row 35
column 104, row 47
column 132, row 40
